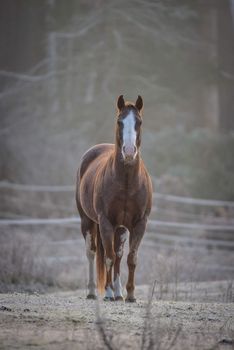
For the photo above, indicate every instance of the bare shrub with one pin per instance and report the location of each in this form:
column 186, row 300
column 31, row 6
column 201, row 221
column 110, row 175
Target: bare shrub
column 147, row 340
column 20, row 265
column 170, row 270
column 228, row 293
column 153, row 335
column 106, row 338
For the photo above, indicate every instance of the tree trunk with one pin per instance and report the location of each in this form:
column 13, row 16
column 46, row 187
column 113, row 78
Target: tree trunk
column 226, row 64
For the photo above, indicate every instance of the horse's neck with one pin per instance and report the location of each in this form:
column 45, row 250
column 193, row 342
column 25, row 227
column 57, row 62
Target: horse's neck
column 126, row 172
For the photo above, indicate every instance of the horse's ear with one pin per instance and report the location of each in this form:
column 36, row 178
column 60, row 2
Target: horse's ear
column 139, row 103
column 120, row 103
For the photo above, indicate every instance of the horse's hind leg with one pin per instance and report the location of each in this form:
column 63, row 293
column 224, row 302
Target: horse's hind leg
column 90, row 253
column 88, row 228
column 119, row 240
column 89, row 231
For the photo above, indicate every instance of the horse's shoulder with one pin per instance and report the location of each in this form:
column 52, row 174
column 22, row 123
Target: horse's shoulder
column 97, row 151
column 146, row 181
column 144, row 172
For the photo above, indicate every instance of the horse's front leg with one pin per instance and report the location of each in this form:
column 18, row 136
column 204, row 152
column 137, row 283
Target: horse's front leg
column 120, row 238
column 107, row 235
column 136, row 235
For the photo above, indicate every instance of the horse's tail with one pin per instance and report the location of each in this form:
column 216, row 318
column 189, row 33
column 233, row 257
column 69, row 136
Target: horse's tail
column 100, row 263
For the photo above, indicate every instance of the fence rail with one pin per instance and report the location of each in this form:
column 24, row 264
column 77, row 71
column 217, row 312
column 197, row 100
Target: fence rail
column 36, row 188
column 192, row 232
column 39, row 221
column 166, row 197
column 152, row 223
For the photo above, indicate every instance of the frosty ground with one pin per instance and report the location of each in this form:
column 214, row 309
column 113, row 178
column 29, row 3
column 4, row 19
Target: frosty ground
column 67, row 320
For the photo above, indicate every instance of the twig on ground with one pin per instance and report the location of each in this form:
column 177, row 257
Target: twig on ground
column 106, row 339
column 147, row 328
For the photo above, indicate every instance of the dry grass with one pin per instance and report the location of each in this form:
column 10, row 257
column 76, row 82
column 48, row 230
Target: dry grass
column 69, row 321
column 155, row 335
column 36, row 258
column 21, row 267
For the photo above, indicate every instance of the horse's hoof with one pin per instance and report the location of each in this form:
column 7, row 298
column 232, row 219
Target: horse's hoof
column 119, row 298
column 130, row 300
column 109, row 299
column 91, row 296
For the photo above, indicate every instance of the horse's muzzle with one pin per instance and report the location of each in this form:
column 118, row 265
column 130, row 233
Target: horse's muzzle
column 129, row 153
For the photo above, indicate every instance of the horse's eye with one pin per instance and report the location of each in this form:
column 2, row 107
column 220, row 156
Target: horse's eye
column 138, row 122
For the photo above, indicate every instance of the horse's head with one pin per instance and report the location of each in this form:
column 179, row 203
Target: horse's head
column 128, row 131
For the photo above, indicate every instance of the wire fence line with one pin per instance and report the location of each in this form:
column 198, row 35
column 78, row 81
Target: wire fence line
column 161, row 239
column 152, row 223
column 194, row 201
column 193, row 226
column 36, row 188
column 39, row 221
column 70, row 188
column 165, row 231
column 183, row 215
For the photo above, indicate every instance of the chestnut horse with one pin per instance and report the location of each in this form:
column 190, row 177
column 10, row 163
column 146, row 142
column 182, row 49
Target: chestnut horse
column 114, row 197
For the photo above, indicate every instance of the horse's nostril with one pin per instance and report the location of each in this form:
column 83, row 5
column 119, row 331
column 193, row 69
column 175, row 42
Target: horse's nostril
column 129, row 150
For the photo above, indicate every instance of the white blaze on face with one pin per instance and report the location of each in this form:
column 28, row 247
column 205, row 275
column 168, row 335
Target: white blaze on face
column 129, row 136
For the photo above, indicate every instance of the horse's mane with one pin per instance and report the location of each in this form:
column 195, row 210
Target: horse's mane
column 130, row 104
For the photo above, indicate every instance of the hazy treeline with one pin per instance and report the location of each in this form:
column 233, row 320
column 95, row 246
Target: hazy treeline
column 63, row 64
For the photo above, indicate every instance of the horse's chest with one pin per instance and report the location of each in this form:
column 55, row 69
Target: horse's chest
column 124, row 208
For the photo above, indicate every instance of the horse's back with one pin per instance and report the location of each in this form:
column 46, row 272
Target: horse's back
column 97, row 151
